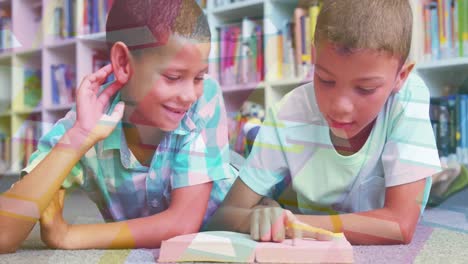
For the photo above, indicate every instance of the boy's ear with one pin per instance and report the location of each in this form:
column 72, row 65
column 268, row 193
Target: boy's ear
column 403, row 74
column 120, row 59
column 314, row 54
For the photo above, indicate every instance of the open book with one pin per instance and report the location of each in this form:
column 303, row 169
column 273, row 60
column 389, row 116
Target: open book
column 222, row 246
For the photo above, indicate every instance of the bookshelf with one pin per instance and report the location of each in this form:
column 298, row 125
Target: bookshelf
column 37, row 43
column 32, row 43
column 439, row 57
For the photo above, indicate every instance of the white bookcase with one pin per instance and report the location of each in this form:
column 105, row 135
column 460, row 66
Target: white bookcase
column 36, row 47
column 39, row 49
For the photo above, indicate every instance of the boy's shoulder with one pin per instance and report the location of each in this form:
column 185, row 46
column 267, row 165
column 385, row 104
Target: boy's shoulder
column 211, row 88
column 414, row 90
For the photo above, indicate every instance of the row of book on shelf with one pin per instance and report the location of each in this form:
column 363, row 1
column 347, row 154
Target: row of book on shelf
column 27, row 138
column 241, row 53
column 449, row 118
column 63, row 82
column 80, row 17
column 30, row 133
column 244, row 59
column 445, row 28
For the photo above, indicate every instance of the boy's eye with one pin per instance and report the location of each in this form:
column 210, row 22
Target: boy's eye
column 199, row 78
column 172, row 77
column 365, row 91
column 326, row 82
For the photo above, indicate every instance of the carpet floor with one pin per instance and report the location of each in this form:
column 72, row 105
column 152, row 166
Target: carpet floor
column 441, row 237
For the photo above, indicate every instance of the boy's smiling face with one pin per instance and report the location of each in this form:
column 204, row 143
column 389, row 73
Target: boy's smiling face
column 351, row 88
column 165, row 83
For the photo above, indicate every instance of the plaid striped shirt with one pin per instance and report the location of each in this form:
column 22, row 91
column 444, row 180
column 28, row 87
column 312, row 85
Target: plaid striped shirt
column 196, row 152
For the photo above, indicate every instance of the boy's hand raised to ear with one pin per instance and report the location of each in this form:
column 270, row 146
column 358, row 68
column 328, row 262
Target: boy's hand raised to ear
column 91, row 121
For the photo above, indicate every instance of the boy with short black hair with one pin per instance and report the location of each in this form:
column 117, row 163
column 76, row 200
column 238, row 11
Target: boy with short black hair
column 150, row 149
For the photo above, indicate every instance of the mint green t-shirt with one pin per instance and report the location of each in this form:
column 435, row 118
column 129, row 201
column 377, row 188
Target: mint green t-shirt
column 293, row 155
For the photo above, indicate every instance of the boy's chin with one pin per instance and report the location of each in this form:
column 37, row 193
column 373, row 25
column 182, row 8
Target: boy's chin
column 168, row 129
column 340, row 133
column 158, row 125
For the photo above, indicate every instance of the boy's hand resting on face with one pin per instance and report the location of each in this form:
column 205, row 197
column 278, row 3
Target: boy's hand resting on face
column 54, row 228
column 91, row 121
column 270, row 222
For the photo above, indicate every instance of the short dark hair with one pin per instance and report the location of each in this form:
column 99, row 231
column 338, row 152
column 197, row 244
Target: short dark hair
column 143, row 24
column 382, row 25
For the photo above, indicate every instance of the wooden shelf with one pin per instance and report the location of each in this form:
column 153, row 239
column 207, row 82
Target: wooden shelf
column 238, row 10
column 243, row 87
column 58, row 108
column 5, row 114
column 10, row 174
column 27, row 111
column 291, row 82
column 60, row 43
column 437, row 64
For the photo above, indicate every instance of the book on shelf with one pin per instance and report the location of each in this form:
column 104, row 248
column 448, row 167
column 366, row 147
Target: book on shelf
column 223, row 246
column 31, row 133
column 80, row 17
column 99, row 60
column 450, row 125
column 63, row 78
column 305, row 21
column 240, row 53
column 5, row 152
column 445, row 26
column 5, row 29
column 289, row 48
column 32, row 87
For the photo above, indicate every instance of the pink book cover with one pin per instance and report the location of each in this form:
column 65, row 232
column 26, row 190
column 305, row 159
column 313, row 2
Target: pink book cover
column 213, row 246
column 305, row 251
column 223, row 246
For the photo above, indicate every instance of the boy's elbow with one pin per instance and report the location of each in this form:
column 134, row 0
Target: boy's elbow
column 406, row 232
column 7, row 243
column 407, row 236
column 187, row 227
column 192, row 227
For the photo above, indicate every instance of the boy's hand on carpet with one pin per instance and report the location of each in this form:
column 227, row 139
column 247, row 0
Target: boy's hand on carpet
column 54, row 228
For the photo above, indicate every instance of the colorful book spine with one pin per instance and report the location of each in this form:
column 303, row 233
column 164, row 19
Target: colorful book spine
column 63, row 84
column 448, row 20
column 435, row 44
column 464, row 10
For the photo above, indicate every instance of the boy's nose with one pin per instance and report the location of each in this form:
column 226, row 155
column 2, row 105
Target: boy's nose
column 188, row 95
column 342, row 105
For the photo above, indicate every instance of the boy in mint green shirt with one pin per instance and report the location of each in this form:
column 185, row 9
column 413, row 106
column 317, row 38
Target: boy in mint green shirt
column 353, row 151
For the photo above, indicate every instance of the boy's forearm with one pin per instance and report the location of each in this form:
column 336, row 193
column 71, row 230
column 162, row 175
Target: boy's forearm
column 145, row 232
column 231, row 218
column 41, row 184
column 116, row 235
column 21, row 206
column 367, row 228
